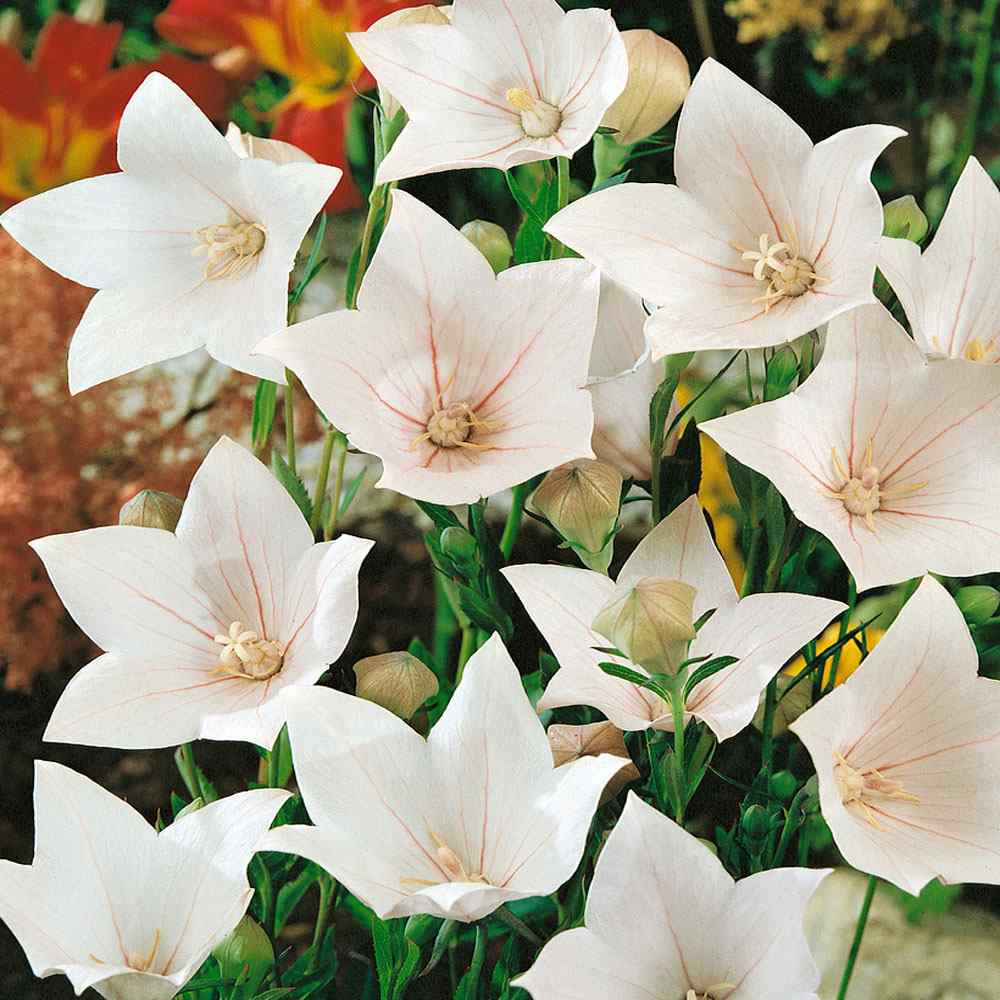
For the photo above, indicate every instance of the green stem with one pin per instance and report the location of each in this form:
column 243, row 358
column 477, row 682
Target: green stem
column 376, row 202
column 290, row 420
column 513, row 524
column 340, row 447
column 753, row 559
column 980, row 70
column 321, row 478
column 517, row 925
column 703, row 27
column 859, row 933
column 445, row 622
column 679, row 762
column 767, row 728
column 562, row 199
column 188, row 769
column 327, row 887
column 468, row 648
column 791, row 825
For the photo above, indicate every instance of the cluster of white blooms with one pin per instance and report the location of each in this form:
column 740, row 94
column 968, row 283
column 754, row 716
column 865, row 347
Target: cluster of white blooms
column 464, row 383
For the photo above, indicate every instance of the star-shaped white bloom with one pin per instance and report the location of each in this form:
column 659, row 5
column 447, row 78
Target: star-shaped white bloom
column 907, row 752
column 950, row 292
column 203, row 628
column 623, row 380
column 455, row 825
column 665, row 919
column 190, row 245
column 112, row 904
column 505, row 83
column 764, row 630
column 893, row 457
column 463, row 382
column 764, row 237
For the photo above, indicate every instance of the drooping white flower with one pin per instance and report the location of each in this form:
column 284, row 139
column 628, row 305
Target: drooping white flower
column 112, row 904
column 950, row 292
column 764, row 237
column 190, row 245
column 504, row 83
column 665, row 919
column 455, row 825
column 463, row 382
column 203, row 628
column 763, row 630
column 891, row 456
column 623, row 380
column 907, row 751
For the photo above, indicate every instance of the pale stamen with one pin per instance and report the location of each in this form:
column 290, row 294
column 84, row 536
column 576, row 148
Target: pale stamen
column 858, row 787
column 450, row 863
column 780, row 269
column 142, row 963
column 863, row 495
column 539, row 119
column 718, row 992
column 245, row 654
column 452, row 425
column 231, row 248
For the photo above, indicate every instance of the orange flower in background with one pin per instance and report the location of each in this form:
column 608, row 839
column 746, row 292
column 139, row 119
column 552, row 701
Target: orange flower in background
column 304, row 40
column 59, row 112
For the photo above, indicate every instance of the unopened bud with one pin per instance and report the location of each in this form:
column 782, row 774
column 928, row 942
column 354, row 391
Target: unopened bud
column 398, row 682
column 784, row 785
column 755, row 824
column 491, row 241
column 237, row 63
column 246, row 956
column 780, row 373
column 427, row 13
column 569, row 743
column 151, row 509
column 904, row 219
column 11, row 28
column 794, row 698
column 978, row 603
column 459, row 547
column 658, row 81
column 581, row 500
column 91, row 11
column 651, row 621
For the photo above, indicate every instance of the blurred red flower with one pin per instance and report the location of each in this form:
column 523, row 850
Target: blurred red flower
column 59, row 112
column 304, row 40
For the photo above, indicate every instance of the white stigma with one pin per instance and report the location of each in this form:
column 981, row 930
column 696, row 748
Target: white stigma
column 231, row 248
column 539, row 119
column 718, row 992
column 450, row 864
column 859, row 787
column 245, row 654
column 780, row 269
column 862, row 495
column 142, row 963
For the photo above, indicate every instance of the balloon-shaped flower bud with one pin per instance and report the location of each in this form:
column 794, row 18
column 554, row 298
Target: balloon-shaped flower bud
column 491, row 241
column 978, row 604
column 90, row 11
column 658, row 81
column 904, row 219
column 569, row 743
column 651, row 621
column 460, row 549
column 427, row 13
column 151, row 509
column 581, row 500
column 398, row 682
column 246, row 956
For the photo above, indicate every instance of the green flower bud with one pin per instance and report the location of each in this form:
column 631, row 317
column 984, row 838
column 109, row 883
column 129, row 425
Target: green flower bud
column 460, row 547
column 581, row 501
column 650, row 621
column 398, row 682
column 151, row 509
column 491, row 241
column 755, row 824
column 904, row 219
column 978, row 603
column 784, row 785
column 781, row 372
column 247, row 955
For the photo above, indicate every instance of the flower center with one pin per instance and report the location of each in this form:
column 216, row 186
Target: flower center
column 231, row 248
column 245, row 654
column 539, row 119
column 860, row 787
column 780, row 269
column 453, row 425
column 863, row 495
column 451, row 866
column 134, row 959
column 718, row 992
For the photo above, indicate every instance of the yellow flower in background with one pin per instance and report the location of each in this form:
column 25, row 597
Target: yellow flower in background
column 834, row 28
column 850, row 654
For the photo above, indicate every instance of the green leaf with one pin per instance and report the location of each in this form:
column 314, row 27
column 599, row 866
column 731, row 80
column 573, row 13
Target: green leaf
column 385, row 965
column 313, row 265
column 634, row 677
column 706, row 670
column 291, row 893
column 443, row 517
column 612, row 181
column 262, row 419
column 484, row 612
column 295, row 487
column 468, row 987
